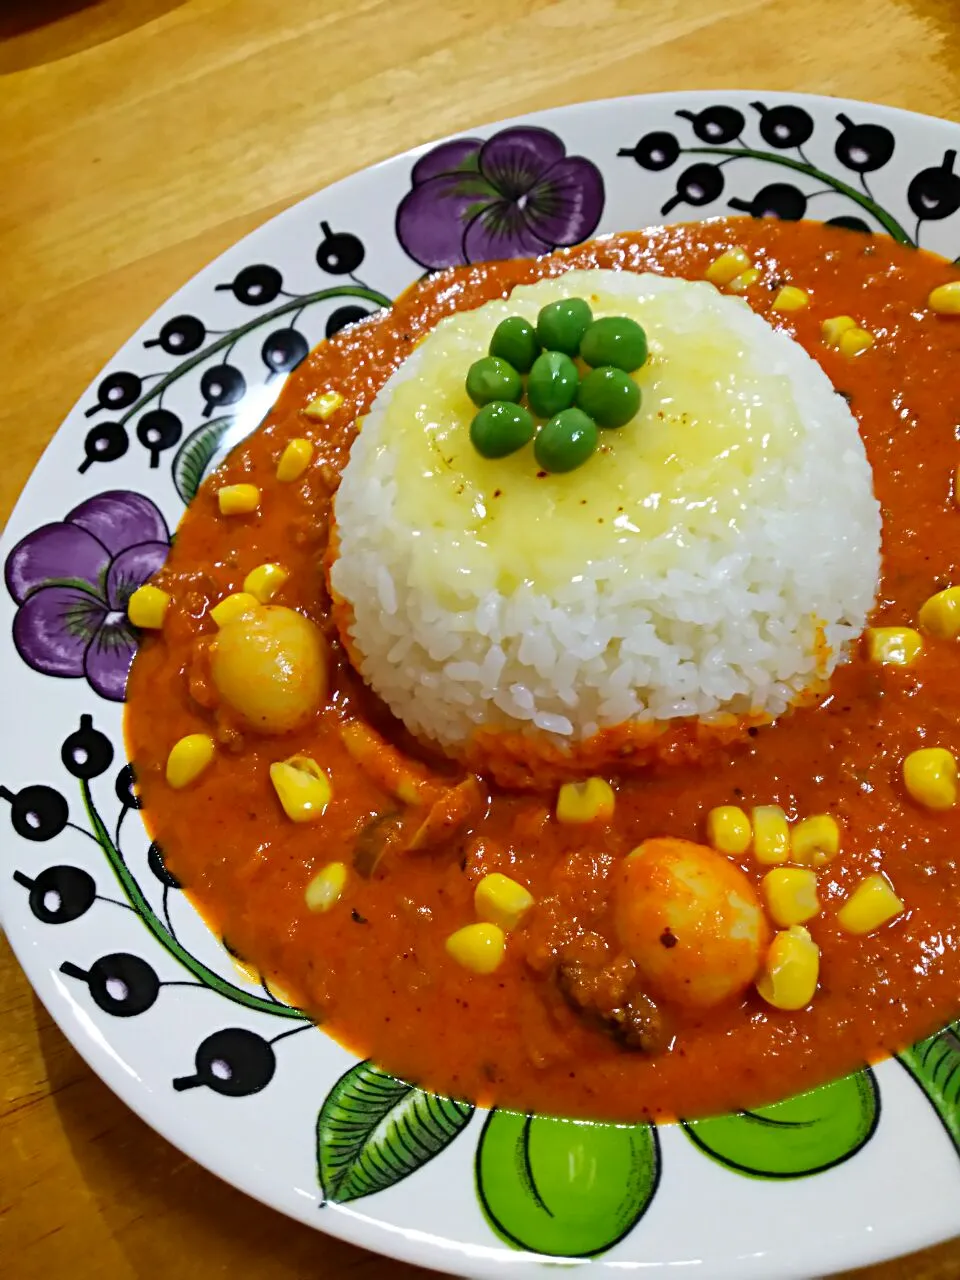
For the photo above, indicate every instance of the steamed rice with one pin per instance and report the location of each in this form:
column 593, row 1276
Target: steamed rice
column 727, row 608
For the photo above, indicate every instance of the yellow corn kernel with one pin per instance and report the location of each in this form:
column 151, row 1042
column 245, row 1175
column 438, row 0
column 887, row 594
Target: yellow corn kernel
column 326, row 887
column 234, row 606
column 581, row 802
column 147, row 606
column 188, row 758
column 501, row 901
column 791, row 895
column 478, row 947
column 945, row 299
column 771, row 835
column 790, row 298
column 325, row 406
column 265, row 581
column 728, row 829
column 238, row 499
column 728, row 266
column 791, row 969
column 832, row 329
column 853, row 342
column 744, row 281
column 815, row 841
column 294, row 460
column 940, row 615
column 872, row 903
column 930, row 776
column 893, row 646
column 302, row 787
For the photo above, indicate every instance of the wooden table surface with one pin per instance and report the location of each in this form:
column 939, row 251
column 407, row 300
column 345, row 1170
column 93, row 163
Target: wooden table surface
column 138, row 139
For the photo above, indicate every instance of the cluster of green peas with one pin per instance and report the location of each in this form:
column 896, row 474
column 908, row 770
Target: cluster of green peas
column 572, row 408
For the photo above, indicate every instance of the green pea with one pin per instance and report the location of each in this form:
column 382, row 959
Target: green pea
column 562, row 324
column 552, row 384
column 609, row 396
column 566, row 441
column 491, row 379
column 501, row 428
column 615, row 340
column 515, row 341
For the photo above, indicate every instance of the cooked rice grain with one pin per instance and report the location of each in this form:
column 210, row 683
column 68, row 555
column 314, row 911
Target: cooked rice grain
column 743, row 619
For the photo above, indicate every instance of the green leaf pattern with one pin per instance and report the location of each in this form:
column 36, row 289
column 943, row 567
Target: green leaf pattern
column 375, row 1130
column 195, row 454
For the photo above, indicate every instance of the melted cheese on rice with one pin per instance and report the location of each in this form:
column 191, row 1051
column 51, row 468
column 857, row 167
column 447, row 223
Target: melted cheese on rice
column 714, row 430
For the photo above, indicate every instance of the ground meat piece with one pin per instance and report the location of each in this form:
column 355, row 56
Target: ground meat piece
column 639, row 1024
column 599, row 988
column 608, row 996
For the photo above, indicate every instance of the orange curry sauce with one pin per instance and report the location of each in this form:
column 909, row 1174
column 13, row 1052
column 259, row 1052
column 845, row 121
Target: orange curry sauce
column 374, row 969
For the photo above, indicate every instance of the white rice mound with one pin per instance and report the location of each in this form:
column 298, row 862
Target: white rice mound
column 729, row 624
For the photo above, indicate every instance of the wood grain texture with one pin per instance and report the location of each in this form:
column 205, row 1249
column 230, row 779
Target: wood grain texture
column 140, row 138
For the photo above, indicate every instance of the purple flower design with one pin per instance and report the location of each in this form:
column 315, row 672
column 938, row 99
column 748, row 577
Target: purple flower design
column 72, row 581
column 516, row 195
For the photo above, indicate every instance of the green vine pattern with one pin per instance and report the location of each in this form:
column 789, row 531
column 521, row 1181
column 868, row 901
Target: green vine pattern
column 886, row 220
column 158, row 929
column 233, row 336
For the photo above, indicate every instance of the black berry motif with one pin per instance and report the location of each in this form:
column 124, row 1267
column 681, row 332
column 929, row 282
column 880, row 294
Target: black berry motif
column 343, row 316
column 849, row 223
column 59, row 894
column 256, row 286
column 654, row 151
column 232, row 1062
column 863, row 147
column 120, row 984
column 221, row 385
column 105, row 442
column 339, row 252
column 86, row 753
column 935, row 193
column 159, row 868
column 123, row 787
column 779, row 200
column 116, row 391
column 716, row 125
column 860, row 146
column 158, row 430
column 697, row 185
column 36, row 812
column 783, row 127
column 180, row 336
column 283, row 350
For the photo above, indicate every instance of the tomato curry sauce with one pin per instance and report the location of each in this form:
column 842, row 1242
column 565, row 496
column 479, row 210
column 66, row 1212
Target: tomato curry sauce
column 374, row 969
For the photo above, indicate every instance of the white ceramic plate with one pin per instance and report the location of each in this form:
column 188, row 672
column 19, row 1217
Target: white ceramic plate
column 860, row 1170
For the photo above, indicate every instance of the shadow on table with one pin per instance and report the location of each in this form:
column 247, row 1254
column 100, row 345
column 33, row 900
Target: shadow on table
column 33, row 32
column 167, row 1215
